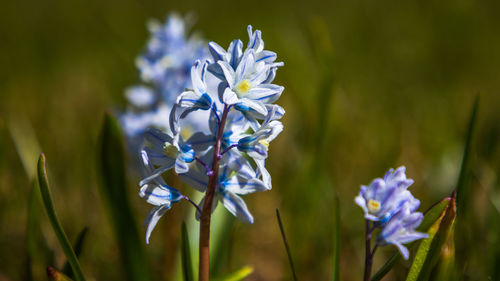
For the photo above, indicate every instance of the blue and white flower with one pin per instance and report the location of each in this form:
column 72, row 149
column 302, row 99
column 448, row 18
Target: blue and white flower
column 237, row 178
column 385, row 197
column 165, row 68
column 247, row 75
column 400, row 229
column 169, row 56
column 197, row 98
column 236, row 95
column 167, row 152
column 157, row 193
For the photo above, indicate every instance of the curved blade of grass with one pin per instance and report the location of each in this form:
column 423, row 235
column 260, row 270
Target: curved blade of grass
column 462, row 191
column 111, row 167
column 292, row 267
column 54, row 221
column 239, row 275
column 78, row 246
column 336, row 242
column 187, row 265
column 431, row 216
column 430, row 249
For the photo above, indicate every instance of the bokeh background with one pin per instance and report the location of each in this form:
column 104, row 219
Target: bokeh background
column 369, row 85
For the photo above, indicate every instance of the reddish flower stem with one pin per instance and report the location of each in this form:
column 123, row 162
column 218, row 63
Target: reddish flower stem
column 204, row 265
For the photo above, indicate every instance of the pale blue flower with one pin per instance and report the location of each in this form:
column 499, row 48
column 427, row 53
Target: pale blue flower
column 246, row 76
column 197, row 98
column 167, row 152
column 157, row 193
column 236, row 178
column 384, row 197
column 235, row 95
column 400, row 229
column 165, row 68
column 169, row 56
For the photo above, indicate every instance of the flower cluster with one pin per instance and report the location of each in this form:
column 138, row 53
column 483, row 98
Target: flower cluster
column 390, row 206
column 231, row 98
column 165, row 68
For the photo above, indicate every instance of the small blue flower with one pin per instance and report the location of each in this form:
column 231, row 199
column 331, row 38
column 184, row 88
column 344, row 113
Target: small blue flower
column 246, row 75
column 400, row 229
column 236, row 178
column 169, row 56
column 385, row 197
column 157, row 193
column 198, row 97
column 165, row 68
column 257, row 144
column 167, row 152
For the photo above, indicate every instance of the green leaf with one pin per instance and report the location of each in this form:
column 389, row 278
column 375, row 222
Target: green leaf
column 78, row 246
column 336, row 242
column 430, row 249
column 187, row 265
column 292, row 267
column 431, row 216
column 462, row 191
column 111, row 167
column 238, row 275
column 54, row 221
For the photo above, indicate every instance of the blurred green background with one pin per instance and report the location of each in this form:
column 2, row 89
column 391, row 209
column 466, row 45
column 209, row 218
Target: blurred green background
column 369, row 85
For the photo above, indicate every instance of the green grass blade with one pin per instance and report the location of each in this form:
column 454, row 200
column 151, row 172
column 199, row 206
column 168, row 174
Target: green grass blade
column 111, row 167
column 462, row 191
column 187, row 264
column 431, row 216
column 336, row 242
column 431, row 248
column 290, row 260
column 78, row 247
column 54, row 221
column 239, row 275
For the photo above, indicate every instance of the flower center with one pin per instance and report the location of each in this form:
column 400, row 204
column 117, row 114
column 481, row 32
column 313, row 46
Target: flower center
column 243, row 87
column 265, row 143
column 170, row 150
column 373, row 206
column 186, row 132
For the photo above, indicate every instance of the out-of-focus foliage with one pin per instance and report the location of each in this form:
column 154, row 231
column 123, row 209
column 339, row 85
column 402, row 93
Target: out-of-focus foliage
column 369, row 85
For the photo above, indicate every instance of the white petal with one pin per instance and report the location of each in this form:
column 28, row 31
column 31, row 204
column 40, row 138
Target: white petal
column 228, row 71
column 246, row 65
column 229, row 97
column 236, row 206
column 267, row 93
column 153, row 218
column 256, row 106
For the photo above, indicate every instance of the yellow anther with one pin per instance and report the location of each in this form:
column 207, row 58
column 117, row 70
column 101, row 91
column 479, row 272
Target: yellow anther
column 243, row 87
column 373, row 206
column 170, row 150
column 265, row 143
column 186, row 132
